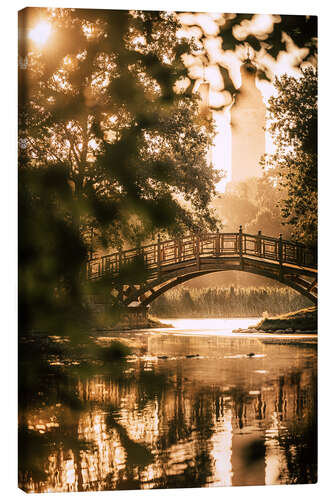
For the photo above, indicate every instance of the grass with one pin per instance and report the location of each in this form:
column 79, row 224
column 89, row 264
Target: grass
column 304, row 319
column 227, row 302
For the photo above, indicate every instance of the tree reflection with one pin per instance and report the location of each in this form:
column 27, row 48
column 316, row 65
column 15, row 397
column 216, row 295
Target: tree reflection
column 132, row 423
column 300, row 443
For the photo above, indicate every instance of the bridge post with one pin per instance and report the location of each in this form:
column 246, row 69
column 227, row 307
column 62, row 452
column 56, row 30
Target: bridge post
column 281, row 257
column 240, row 246
column 197, row 252
column 259, row 244
column 120, row 259
column 91, row 249
column 159, row 255
column 217, row 243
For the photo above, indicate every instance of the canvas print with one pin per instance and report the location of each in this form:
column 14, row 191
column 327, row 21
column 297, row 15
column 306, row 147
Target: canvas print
column 167, row 190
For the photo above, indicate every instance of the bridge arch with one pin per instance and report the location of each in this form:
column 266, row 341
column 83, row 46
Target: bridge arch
column 154, row 290
column 172, row 262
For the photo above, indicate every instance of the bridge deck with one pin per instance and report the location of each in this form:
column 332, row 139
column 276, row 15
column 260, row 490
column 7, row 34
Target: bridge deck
column 163, row 256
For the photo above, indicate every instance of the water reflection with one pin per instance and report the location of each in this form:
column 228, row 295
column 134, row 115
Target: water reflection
column 190, row 411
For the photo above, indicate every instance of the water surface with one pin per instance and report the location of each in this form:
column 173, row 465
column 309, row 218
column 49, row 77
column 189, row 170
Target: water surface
column 195, row 406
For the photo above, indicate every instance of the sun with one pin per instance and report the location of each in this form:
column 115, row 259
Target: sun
column 40, row 33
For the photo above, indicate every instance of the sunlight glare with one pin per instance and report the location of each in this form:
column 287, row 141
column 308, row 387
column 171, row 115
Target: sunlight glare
column 40, row 33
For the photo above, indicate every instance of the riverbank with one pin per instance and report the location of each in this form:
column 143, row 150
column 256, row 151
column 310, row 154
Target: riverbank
column 148, row 322
column 301, row 321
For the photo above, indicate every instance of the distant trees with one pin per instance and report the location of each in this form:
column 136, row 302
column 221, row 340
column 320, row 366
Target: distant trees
column 218, row 302
column 105, row 142
column 293, row 115
column 252, row 203
column 284, row 199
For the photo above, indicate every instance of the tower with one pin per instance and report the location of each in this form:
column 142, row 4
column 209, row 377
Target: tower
column 247, row 126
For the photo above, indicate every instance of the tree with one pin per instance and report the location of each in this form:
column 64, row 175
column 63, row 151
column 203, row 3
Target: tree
column 252, row 203
column 293, row 115
column 235, row 207
column 102, row 105
column 268, row 218
column 105, row 143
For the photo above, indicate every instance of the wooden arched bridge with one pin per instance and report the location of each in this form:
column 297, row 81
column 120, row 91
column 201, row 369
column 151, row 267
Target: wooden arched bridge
column 171, row 262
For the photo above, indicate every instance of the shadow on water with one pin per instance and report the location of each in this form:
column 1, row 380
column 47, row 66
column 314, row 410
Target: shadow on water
column 109, row 418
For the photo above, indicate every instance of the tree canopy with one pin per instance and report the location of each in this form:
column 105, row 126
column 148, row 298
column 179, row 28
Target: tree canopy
column 99, row 103
column 105, row 142
column 293, row 115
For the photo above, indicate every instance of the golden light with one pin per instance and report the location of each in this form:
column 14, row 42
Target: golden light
column 40, row 33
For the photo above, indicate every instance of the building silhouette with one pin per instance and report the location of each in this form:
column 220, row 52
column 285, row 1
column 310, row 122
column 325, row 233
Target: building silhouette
column 247, row 126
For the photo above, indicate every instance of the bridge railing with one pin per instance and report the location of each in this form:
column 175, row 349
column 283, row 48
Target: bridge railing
column 189, row 248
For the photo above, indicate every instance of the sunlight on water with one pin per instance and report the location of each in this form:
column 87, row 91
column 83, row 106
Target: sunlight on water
column 207, row 325
column 189, row 408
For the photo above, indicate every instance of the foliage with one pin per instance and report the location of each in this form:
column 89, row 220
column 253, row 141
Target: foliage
column 226, row 302
column 301, row 29
column 252, row 203
column 104, row 143
column 293, row 115
column 266, row 39
column 235, row 207
column 104, row 109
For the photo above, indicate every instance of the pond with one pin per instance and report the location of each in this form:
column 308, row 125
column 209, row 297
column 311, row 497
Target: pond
column 193, row 406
